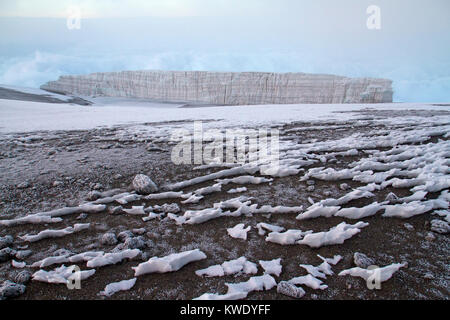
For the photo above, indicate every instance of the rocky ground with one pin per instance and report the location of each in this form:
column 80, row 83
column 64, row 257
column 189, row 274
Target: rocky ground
column 42, row 171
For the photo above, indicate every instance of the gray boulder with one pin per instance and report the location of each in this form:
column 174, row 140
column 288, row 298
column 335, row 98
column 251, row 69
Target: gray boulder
column 6, row 241
column 440, row 226
column 142, row 184
column 167, row 208
column 10, row 290
column 23, row 277
column 124, row 235
column 362, row 261
column 116, row 210
column 109, row 239
column 290, row 290
column 7, row 254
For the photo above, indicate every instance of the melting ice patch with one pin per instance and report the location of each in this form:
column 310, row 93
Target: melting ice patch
column 170, row 263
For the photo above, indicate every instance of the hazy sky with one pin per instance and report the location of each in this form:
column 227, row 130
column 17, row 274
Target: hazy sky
column 323, row 36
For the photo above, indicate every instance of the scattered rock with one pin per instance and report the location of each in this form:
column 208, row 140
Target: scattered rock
column 440, row 226
column 117, row 176
column 344, row 186
column 109, row 239
column 409, row 226
column 23, row 277
column 167, row 208
column 82, row 216
column 140, row 231
column 144, row 185
column 97, row 186
column 6, row 241
column 134, row 243
column 430, row 236
column 93, row 195
column 145, row 256
column 7, row 254
column 290, row 290
column 310, row 182
column 10, row 289
column 116, row 210
column 362, row 261
column 311, row 188
column 57, row 183
column 428, row 276
column 23, row 185
column 124, row 235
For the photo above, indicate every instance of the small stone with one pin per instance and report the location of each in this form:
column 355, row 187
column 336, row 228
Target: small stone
column 97, row 186
column 290, row 290
column 109, row 239
column 430, row 236
column 142, row 184
column 327, row 193
column 93, row 195
column 82, row 216
column 51, row 152
column 344, row 186
column 6, row 241
column 23, row 185
column 57, row 183
column 10, row 289
column 440, row 226
column 428, row 276
column 7, row 254
column 134, row 243
column 167, row 208
column 116, row 210
column 310, row 182
column 145, row 256
column 117, row 176
column 153, row 235
column 124, row 235
column 23, row 277
column 310, row 188
column 362, row 261
column 409, row 226
column 140, row 231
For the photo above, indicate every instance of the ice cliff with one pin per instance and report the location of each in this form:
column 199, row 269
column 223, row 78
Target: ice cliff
column 226, row 88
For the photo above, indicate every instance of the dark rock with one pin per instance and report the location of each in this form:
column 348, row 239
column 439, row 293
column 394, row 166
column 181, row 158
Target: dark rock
column 7, row 254
column 142, row 184
column 440, row 226
column 362, row 261
column 125, row 235
column 23, row 277
column 10, row 289
column 6, row 241
column 116, row 210
column 109, row 239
